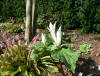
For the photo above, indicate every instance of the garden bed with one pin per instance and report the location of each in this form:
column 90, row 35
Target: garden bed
column 87, row 64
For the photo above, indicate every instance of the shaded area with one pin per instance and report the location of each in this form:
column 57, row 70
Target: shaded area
column 87, row 67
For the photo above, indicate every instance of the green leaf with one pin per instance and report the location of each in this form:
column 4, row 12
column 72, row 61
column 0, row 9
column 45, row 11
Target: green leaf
column 51, row 47
column 56, row 54
column 34, row 56
column 68, row 57
column 48, row 74
column 37, row 54
column 53, row 68
column 84, row 48
column 38, row 46
column 37, row 70
column 31, row 74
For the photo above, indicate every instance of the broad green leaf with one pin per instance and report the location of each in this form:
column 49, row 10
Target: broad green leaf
column 68, row 57
column 56, row 54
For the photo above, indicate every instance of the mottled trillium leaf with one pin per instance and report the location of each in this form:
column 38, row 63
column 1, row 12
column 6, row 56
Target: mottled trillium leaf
column 68, row 57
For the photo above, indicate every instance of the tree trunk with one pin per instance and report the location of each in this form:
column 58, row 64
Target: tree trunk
column 28, row 29
column 34, row 16
column 31, row 15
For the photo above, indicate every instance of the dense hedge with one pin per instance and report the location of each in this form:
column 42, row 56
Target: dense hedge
column 71, row 14
column 63, row 10
column 15, row 8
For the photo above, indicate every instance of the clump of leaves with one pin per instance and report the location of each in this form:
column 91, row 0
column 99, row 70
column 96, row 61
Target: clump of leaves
column 7, row 41
column 63, row 54
column 16, row 28
column 15, row 61
column 5, row 25
column 57, row 51
column 69, row 57
column 41, row 53
column 42, row 57
column 19, row 61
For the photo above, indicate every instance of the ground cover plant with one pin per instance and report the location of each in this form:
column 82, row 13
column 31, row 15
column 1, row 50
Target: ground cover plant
column 41, row 56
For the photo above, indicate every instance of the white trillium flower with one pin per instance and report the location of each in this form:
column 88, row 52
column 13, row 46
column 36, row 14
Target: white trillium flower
column 43, row 39
column 53, row 27
column 56, row 36
column 52, row 30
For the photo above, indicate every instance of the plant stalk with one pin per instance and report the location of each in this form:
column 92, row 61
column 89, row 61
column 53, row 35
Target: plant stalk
column 61, row 69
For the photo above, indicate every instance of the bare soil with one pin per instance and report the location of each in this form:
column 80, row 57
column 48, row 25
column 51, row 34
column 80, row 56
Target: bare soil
column 87, row 64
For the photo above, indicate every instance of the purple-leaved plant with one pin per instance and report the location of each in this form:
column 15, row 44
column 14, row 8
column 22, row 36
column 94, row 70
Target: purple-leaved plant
column 17, row 37
column 13, row 42
column 2, row 45
column 4, row 35
column 8, row 42
column 36, row 37
column 37, row 30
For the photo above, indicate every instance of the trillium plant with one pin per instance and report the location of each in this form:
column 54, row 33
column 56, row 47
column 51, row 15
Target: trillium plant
column 51, row 45
column 47, row 53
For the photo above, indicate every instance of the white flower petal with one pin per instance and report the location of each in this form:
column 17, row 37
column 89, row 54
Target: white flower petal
column 52, row 30
column 98, row 67
column 43, row 39
column 56, row 36
column 51, row 26
column 80, row 74
column 59, row 36
column 54, row 26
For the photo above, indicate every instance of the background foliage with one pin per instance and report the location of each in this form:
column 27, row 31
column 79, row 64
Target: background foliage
column 70, row 14
column 15, row 8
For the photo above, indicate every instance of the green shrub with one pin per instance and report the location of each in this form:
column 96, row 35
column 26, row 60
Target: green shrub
column 17, row 61
column 73, row 13
column 89, row 15
column 15, row 8
column 70, row 14
column 64, row 11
